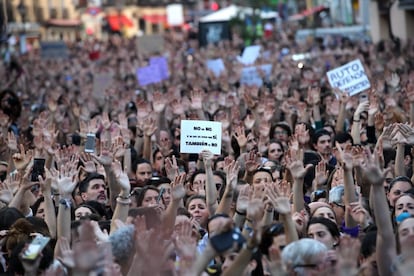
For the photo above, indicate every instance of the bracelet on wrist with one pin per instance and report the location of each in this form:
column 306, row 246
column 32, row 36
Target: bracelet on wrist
column 240, row 213
column 123, row 201
column 123, row 197
column 65, row 202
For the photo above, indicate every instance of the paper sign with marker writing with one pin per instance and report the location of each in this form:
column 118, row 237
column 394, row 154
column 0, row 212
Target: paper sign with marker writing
column 350, row 78
column 250, row 54
column 251, row 76
column 197, row 136
column 216, row 66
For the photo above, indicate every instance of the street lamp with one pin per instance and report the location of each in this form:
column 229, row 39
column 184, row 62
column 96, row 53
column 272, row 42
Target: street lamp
column 21, row 8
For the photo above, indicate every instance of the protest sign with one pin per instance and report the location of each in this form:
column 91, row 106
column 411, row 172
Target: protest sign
column 350, row 78
column 54, row 50
column 162, row 64
column 250, row 55
column 216, row 66
column 101, row 82
column 197, row 136
column 175, row 15
column 251, row 75
column 213, row 32
column 150, row 44
column 148, row 75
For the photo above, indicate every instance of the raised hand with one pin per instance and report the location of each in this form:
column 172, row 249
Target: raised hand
column 364, row 106
column 196, row 99
column 6, row 193
column 297, row 168
column 177, row 187
column 282, row 205
column 240, row 136
column 207, row 157
column 344, row 157
column 86, row 252
column 121, row 177
column 22, row 158
column 252, row 161
column 232, row 171
column 106, row 123
column 12, row 142
column 184, row 243
column 359, row 213
column 243, row 199
column 171, row 167
column 255, row 211
column 105, row 156
column 249, row 121
column 348, row 252
column 394, row 80
column 67, row 177
column 88, row 163
column 149, row 127
column 302, row 134
column 321, row 173
column 65, row 253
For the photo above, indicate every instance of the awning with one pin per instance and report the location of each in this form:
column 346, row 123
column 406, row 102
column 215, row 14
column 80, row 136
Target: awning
column 68, row 23
column 155, row 18
column 117, row 22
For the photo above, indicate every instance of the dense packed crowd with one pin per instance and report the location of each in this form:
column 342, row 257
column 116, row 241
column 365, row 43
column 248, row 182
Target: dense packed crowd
column 310, row 180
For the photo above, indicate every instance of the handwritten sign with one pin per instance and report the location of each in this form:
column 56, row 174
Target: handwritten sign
column 216, row 66
column 250, row 55
column 251, row 76
column 350, row 77
column 162, row 64
column 148, row 75
column 197, row 136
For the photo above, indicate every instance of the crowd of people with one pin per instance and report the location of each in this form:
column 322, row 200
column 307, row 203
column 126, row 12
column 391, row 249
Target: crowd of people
column 310, row 180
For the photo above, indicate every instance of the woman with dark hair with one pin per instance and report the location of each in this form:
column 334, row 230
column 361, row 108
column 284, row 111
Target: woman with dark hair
column 198, row 182
column 148, row 197
column 325, row 231
column 273, row 237
column 11, row 106
column 275, row 151
column 197, row 206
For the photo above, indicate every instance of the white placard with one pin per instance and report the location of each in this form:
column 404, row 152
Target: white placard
column 216, row 66
column 250, row 54
column 175, row 15
column 350, row 77
column 251, row 76
column 197, row 136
